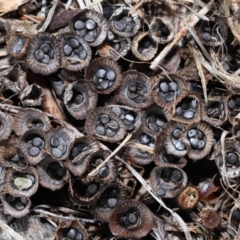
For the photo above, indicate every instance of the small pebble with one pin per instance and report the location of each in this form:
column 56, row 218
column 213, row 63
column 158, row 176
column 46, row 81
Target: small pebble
column 79, row 236
column 67, row 50
column 192, row 133
column 173, row 86
column 194, row 142
column 19, row 206
column 177, row 133
column 90, row 24
column 180, row 146
column 101, row 73
column 45, row 48
column 103, row 172
column 201, row 144
column 160, row 192
column 188, row 114
column 71, row 234
column 74, row 43
column 89, row 38
column 112, row 202
column 56, row 153
column 78, row 99
column 92, row 188
column 100, row 129
column 37, row 142
column 170, row 97
column 46, row 59
column 82, row 54
column 206, row 36
column 132, row 218
column 54, row 141
column 111, row 75
column 164, row 87
column 104, row 119
column 231, row 104
column 104, row 84
column 79, row 25
column 179, row 111
column 176, row 176
column 34, row 151
column 120, row 26
column 39, row 55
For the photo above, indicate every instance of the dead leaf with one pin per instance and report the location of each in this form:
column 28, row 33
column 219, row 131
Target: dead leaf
column 11, row 5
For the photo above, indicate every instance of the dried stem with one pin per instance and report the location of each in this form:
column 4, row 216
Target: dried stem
column 190, row 24
column 5, row 228
column 49, row 17
column 201, row 73
column 159, row 200
column 94, row 172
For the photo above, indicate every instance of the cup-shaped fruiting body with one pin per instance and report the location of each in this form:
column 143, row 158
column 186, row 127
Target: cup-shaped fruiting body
column 52, row 174
column 29, row 118
column 32, row 145
column 233, row 102
column 59, row 140
column 80, row 152
column 103, row 75
column 32, row 96
column 215, row 111
column 161, row 157
column 43, row 54
column 11, row 156
column 207, row 188
column 229, row 163
column 172, row 139
column 124, row 24
column 168, row 90
column 130, row 117
column 14, row 78
column 73, row 230
column 23, row 184
column 85, row 191
column 168, row 181
column 105, row 125
column 131, row 219
column 141, row 147
column 198, row 138
column 212, row 33
column 161, row 30
column 115, row 49
column 2, row 179
column 210, row 219
column 17, row 45
column 144, row 47
column 16, row 207
column 236, row 132
column 79, row 99
column 108, row 200
column 33, row 6
column 135, row 90
column 188, row 110
column 75, row 52
column 188, row 198
column 106, row 173
column 5, row 29
column 91, row 26
column 154, row 119
column 6, row 125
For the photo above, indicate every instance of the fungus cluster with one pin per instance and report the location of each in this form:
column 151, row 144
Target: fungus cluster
column 72, row 94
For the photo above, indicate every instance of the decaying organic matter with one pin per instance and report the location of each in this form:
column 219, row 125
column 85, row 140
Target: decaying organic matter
column 119, row 119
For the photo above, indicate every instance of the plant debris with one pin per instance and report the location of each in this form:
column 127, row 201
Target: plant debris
column 119, row 119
